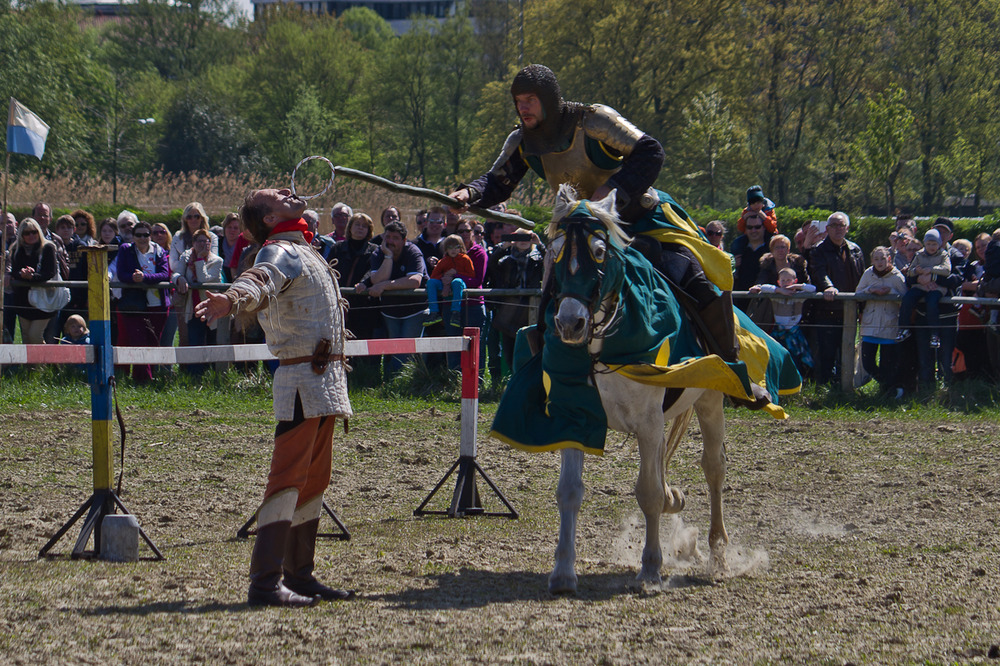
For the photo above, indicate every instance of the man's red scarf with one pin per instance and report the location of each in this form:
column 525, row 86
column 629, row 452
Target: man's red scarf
column 292, row 225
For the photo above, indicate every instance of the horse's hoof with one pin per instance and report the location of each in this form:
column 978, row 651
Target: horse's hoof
column 674, row 501
column 718, row 565
column 562, row 585
column 647, row 585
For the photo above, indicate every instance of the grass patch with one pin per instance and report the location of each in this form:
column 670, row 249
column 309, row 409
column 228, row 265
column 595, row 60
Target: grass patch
column 417, row 386
column 971, row 397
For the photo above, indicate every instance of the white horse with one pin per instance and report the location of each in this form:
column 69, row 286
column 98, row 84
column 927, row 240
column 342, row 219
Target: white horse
column 631, row 407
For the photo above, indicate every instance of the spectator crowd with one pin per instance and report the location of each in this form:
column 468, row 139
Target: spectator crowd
column 159, row 278
column 908, row 337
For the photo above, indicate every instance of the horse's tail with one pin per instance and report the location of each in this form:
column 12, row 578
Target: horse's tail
column 677, row 429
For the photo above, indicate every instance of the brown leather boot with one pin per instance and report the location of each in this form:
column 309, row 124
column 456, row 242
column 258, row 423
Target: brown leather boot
column 265, row 570
column 299, row 563
column 718, row 328
column 719, row 333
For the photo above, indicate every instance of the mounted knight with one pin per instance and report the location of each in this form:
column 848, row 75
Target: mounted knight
column 597, row 151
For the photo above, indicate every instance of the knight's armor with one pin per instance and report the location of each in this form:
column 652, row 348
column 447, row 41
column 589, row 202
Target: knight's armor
column 288, row 266
column 588, row 146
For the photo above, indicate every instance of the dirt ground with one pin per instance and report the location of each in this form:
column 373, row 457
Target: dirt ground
column 854, row 539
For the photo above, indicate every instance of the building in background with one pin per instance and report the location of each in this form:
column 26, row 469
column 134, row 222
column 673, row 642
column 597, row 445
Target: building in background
column 396, row 12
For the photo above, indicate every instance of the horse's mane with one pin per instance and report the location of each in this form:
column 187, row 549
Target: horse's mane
column 603, row 211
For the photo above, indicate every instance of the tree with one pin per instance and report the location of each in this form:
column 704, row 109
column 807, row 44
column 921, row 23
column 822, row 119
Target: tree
column 126, row 128
column 179, row 38
column 369, row 29
column 407, row 91
column 878, row 149
column 712, row 141
column 201, row 135
column 456, row 66
column 645, row 58
column 292, row 52
column 46, row 63
column 942, row 57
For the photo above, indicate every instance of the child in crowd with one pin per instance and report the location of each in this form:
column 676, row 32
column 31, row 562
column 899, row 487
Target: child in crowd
column 75, row 331
column 788, row 315
column 447, row 280
column 964, row 246
column 927, row 264
column 879, row 319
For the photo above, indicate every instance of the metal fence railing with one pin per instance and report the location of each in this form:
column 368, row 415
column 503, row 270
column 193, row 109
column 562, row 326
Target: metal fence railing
column 849, row 299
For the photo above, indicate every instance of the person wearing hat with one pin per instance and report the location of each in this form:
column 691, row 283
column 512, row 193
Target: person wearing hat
column 594, row 148
column 932, row 361
column 758, row 207
column 927, row 264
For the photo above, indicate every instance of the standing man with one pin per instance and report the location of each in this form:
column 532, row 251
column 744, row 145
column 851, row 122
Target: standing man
column 298, row 305
column 126, row 221
column 835, row 265
column 42, row 213
column 340, row 214
column 420, row 219
column 323, row 244
column 595, row 149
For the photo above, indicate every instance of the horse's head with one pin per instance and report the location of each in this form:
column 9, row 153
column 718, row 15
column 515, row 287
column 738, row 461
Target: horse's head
column 585, row 241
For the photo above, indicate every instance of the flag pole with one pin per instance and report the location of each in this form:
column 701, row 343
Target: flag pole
column 3, row 237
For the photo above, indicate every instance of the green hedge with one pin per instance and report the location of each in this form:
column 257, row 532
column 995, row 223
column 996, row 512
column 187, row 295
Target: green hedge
column 102, row 210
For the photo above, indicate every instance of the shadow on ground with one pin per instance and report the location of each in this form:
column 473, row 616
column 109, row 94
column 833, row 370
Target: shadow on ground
column 474, row 588
column 182, row 607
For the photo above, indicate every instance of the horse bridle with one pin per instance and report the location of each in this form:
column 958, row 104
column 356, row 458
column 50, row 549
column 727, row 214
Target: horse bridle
column 595, row 306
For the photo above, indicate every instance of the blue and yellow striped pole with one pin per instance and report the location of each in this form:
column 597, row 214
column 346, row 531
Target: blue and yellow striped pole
column 102, row 370
column 100, row 375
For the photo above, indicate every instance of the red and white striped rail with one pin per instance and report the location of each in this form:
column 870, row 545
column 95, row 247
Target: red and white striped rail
column 52, row 354
column 76, row 354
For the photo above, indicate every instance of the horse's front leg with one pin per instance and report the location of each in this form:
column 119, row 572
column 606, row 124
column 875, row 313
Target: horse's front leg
column 713, row 463
column 569, row 496
column 650, row 492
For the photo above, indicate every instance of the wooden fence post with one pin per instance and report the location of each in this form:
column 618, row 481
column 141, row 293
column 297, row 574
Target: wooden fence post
column 847, row 342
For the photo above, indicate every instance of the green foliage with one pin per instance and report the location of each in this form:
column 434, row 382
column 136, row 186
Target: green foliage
column 202, row 135
column 859, row 105
column 46, row 64
column 367, row 28
column 180, row 39
column 878, row 149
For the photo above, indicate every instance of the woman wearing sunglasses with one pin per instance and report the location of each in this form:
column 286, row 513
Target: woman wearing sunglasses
column 33, row 259
column 142, row 312
column 194, row 218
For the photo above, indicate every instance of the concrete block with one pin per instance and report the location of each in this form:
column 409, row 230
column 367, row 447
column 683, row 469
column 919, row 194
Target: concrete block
column 120, row 538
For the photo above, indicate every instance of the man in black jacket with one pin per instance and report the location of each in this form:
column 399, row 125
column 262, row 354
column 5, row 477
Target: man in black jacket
column 835, row 265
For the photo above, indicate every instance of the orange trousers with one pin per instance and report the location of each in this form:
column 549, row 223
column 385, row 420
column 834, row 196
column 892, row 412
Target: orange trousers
column 302, row 456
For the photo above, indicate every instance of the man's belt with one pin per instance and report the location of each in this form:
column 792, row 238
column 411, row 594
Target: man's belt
column 319, row 359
